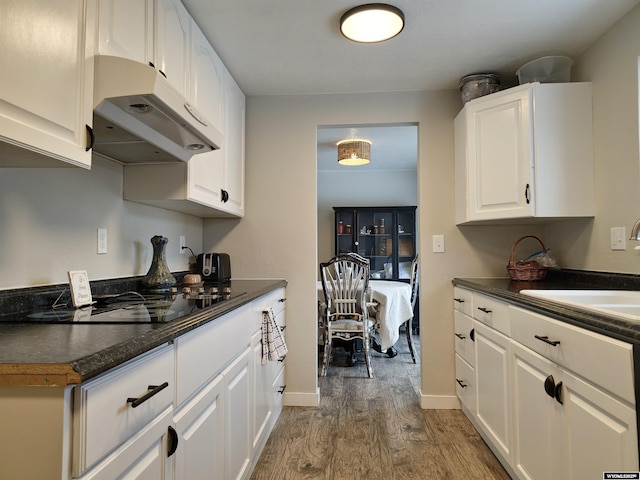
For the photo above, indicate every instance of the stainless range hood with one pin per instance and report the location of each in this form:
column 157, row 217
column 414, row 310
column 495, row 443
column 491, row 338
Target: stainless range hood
column 138, row 117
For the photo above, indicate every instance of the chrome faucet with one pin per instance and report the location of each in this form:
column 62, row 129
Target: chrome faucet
column 635, row 231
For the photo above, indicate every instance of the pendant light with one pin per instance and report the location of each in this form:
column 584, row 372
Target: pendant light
column 354, row 152
column 371, row 23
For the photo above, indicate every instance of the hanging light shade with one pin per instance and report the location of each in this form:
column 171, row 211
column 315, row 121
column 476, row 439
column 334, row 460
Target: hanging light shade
column 354, row 152
column 371, row 23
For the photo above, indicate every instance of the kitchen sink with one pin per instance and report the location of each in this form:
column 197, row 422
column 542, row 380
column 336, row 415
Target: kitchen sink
column 621, row 303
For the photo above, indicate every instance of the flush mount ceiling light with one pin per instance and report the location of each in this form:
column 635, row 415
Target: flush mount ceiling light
column 354, row 152
column 371, row 23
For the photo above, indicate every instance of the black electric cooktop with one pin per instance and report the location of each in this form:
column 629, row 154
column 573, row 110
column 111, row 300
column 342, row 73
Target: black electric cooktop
column 132, row 307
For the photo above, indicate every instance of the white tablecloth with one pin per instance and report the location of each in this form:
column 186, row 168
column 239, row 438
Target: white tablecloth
column 395, row 308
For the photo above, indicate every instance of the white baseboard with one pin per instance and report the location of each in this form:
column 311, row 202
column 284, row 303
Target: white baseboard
column 439, row 402
column 301, row 399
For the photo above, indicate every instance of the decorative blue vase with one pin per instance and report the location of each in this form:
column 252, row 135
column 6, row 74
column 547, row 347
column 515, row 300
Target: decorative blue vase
column 159, row 276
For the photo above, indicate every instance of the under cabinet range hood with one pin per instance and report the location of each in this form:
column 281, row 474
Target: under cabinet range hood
column 138, row 117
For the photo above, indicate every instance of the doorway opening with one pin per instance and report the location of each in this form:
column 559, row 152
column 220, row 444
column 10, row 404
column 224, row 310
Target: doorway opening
column 389, row 180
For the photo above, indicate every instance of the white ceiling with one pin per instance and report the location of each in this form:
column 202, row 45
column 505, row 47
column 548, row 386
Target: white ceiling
column 291, row 47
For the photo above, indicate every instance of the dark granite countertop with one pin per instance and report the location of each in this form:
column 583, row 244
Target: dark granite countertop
column 610, row 325
column 63, row 354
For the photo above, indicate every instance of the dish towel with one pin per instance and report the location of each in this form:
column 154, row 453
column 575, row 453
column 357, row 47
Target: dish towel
column 273, row 346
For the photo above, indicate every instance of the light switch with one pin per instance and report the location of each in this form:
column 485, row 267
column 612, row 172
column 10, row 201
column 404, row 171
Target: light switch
column 102, row 241
column 618, row 238
column 438, row 243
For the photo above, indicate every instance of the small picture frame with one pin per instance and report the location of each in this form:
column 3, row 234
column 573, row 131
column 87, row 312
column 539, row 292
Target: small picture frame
column 80, row 288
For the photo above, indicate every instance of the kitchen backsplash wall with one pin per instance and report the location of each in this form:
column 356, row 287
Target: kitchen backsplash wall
column 49, row 220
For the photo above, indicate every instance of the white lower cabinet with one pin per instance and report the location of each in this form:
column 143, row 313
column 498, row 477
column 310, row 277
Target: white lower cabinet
column 493, row 395
column 599, row 431
column 268, row 378
column 238, row 418
column 536, row 430
column 200, row 429
column 200, row 407
column 552, row 400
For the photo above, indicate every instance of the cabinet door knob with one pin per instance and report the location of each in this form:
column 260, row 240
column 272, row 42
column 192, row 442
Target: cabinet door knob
column 550, row 386
column 92, row 138
column 472, row 334
column 558, row 393
column 173, row 441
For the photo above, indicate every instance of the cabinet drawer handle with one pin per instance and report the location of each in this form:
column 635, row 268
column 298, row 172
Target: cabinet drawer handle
column 282, row 299
column 545, row 339
column 485, row 310
column 526, row 194
column 162, row 73
column 459, row 300
column 282, row 328
column 461, row 383
column 461, row 337
column 173, row 441
column 281, row 389
column 153, row 390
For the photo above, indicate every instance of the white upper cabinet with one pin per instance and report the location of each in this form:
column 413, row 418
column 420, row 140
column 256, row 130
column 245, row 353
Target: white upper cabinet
column 172, row 27
column 206, row 82
column 525, row 153
column 46, row 97
column 126, row 29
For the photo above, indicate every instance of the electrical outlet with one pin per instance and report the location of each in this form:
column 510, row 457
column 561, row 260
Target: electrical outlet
column 183, row 243
column 102, row 241
column 618, row 238
column 438, row 243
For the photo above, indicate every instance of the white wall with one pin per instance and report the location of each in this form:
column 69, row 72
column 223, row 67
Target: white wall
column 353, row 188
column 49, row 220
column 612, row 67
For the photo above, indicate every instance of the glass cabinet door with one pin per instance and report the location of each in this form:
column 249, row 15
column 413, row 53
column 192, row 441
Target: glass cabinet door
column 344, row 232
column 406, row 225
column 375, row 239
column 386, row 236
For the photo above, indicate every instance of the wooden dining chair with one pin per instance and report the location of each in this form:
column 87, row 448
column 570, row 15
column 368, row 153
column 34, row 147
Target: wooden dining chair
column 345, row 284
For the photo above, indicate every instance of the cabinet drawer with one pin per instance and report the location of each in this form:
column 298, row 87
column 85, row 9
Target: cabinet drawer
column 203, row 352
column 463, row 300
column 104, row 417
column 277, row 388
column 586, row 353
column 465, row 384
column 491, row 312
column 274, row 300
column 464, row 336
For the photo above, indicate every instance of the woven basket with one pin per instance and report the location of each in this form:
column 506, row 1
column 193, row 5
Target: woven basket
column 525, row 271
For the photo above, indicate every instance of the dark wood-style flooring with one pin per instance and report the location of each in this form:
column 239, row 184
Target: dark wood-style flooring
column 374, row 429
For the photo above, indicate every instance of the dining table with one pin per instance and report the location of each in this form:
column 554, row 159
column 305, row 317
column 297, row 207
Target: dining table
column 394, row 308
